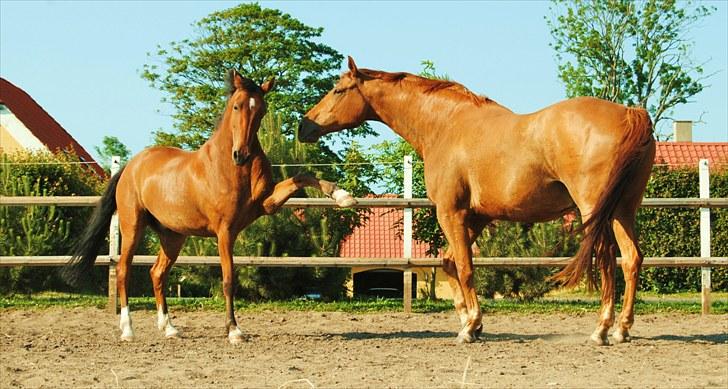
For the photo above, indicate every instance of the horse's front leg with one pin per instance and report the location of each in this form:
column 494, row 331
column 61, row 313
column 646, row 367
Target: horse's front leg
column 454, row 223
column 225, row 241
column 285, row 189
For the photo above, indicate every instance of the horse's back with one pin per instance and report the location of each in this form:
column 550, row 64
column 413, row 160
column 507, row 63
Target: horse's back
column 529, row 166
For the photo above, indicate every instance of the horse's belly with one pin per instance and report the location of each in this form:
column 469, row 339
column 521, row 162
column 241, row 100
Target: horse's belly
column 536, row 204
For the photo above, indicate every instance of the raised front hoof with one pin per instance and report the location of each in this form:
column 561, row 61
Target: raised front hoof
column 621, row 337
column 599, row 339
column 343, row 198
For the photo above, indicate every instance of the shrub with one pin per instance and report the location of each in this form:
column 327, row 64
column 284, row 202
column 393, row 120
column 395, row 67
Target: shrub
column 41, row 230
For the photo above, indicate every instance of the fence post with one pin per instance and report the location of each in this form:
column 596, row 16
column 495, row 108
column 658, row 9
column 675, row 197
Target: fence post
column 113, row 304
column 704, row 179
column 407, row 235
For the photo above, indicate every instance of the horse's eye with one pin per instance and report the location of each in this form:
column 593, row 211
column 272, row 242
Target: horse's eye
column 339, row 91
column 235, row 107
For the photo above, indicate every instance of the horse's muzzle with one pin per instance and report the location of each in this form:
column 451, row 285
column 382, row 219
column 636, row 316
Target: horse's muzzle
column 308, row 131
column 240, row 157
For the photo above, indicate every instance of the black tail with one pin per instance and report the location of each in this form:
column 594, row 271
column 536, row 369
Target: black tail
column 83, row 255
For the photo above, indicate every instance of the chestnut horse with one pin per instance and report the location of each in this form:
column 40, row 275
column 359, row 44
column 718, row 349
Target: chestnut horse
column 484, row 163
column 215, row 191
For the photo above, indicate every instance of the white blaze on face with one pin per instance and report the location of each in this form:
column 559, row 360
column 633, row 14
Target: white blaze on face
column 252, row 103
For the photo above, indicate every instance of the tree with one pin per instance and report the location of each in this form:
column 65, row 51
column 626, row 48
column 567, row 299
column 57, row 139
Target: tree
column 261, row 43
column 630, row 52
column 111, row 146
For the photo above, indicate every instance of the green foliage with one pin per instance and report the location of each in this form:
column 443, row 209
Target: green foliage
column 261, row 43
column 112, row 146
column 577, row 305
column 676, row 232
column 41, row 230
column 507, row 239
column 634, row 53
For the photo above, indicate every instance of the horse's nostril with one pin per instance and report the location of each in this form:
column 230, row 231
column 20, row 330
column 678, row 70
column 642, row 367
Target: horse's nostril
column 235, row 155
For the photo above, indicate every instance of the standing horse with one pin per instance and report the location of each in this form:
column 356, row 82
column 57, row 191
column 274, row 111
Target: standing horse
column 215, row 191
column 484, row 162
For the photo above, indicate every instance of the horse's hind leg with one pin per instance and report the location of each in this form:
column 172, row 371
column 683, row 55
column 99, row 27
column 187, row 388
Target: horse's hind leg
column 131, row 226
column 606, row 315
column 632, row 258
column 171, row 243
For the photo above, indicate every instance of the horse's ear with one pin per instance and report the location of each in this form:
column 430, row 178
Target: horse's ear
column 234, row 81
column 352, row 67
column 237, row 79
column 268, row 85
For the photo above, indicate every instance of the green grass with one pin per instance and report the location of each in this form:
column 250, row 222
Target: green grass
column 561, row 304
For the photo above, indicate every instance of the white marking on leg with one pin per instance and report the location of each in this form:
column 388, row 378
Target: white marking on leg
column 165, row 323
column 127, row 333
column 235, row 336
column 343, row 198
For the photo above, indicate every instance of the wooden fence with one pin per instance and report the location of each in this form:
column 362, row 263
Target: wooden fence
column 705, row 261
column 402, row 263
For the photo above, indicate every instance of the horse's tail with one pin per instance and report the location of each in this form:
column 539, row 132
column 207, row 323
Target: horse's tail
column 598, row 234
column 84, row 252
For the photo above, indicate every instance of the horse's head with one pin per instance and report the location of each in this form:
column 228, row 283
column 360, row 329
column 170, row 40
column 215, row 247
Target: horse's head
column 343, row 107
column 245, row 108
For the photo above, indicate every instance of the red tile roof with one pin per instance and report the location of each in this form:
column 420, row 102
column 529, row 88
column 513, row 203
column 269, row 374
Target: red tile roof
column 41, row 124
column 380, row 237
column 689, row 153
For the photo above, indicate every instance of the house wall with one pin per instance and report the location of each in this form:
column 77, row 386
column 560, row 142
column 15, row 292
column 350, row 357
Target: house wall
column 8, row 144
column 15, row 134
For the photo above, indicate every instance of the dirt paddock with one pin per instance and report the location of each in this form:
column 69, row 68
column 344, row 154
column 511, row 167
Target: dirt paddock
column 80, row 347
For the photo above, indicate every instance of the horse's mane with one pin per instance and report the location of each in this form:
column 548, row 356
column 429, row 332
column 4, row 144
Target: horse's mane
column 429, row 85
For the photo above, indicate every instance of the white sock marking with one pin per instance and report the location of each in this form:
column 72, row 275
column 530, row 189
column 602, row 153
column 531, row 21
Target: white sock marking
column 127, row 333
column 165, row 323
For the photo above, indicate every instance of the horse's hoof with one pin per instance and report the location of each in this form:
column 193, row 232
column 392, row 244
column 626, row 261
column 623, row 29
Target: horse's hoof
column 234, row 340
column 236, row 336
column 127, row 337
column 599, row 339
column 478, row 331
column 465, row 337
column 171, row 332
column 621, row 337
column 347, row 203
column 343, row 198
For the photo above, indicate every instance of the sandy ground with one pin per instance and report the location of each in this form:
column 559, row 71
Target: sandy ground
column 80, row 347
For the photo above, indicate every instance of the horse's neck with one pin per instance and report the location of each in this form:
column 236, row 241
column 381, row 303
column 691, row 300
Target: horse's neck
column 218, row 149
column 420, row 118
column 402, row 110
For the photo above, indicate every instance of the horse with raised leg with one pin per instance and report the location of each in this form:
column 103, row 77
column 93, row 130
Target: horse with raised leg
column 483, row 163
column 215, row 191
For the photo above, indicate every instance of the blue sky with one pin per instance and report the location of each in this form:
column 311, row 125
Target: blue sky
column 81, row 60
